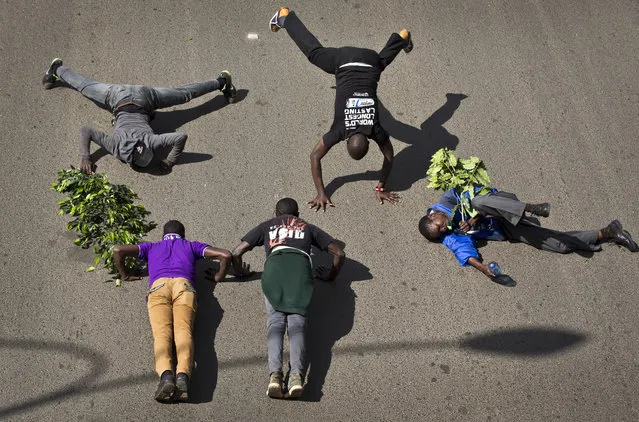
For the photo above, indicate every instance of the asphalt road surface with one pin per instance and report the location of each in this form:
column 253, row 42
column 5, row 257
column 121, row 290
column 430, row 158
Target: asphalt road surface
column 405, row 333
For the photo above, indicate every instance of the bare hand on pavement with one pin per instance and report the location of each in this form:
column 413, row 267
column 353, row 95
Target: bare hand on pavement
column 320, row 201
column 391, row 197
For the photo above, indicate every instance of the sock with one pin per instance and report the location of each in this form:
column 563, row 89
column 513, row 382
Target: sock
column 222, row 82
column 607, row 232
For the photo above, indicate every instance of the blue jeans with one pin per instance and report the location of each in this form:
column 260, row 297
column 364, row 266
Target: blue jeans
column 276, row 325
column 149, row 98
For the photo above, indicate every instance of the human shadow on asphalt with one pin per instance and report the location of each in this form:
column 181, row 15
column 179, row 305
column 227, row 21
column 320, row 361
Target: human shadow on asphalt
column 171, row 121
column 208, row 317
column 526, row 341
column 410, row 164
column 514, row 342
column 98, row 365
column 331, row 314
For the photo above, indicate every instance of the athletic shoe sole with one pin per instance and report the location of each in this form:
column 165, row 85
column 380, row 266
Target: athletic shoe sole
column 228, row 89
column 226, row 75
column 165, row 395
column 181, row 395
column 295, row 391
column 49, row 79
column 274, row 391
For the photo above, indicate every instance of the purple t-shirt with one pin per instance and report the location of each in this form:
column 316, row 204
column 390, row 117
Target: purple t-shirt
column 172, row 257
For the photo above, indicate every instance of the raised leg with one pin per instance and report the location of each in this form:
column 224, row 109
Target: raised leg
column 322, row 57
column 393, row 46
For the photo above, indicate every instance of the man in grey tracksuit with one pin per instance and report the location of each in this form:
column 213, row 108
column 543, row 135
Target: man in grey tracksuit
column 133, row 140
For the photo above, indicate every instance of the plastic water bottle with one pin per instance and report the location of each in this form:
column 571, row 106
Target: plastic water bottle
column 494, row 268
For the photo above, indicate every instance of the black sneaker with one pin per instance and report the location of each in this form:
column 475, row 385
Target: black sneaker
column 166, row 387
column 228, row 89
column 50, row 78
column 182, row 387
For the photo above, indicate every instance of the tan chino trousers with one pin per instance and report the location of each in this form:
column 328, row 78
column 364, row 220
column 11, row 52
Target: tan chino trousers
column 172, row 305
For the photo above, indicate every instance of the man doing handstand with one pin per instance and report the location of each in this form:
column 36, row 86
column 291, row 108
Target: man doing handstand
column 357, row 72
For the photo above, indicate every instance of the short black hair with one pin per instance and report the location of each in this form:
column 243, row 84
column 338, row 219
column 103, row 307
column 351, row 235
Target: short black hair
column 357, row 146
column 424, row 226
column 174, row 226
column 287, row 206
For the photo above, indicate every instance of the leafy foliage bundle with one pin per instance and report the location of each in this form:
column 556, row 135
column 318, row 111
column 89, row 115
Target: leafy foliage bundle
column 446, row 172
column 105, row 214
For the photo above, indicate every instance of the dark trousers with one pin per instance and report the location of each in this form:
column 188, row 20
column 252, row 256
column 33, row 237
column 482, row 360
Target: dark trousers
column 329, row 59
column 509, row 211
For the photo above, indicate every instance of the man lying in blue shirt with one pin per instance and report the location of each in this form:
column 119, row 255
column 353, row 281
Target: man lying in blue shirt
column 501, row 217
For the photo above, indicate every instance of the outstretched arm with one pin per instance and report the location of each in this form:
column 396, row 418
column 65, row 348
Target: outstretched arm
column 88, row 134
column 175, row 140
column 240, row 268
column 380, row 191
column 322, row 199
column 338, row 260
column 481, row 267
column 221, row 255
column 120, row 252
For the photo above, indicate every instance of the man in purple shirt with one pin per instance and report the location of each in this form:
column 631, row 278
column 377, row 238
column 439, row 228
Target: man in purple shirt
column 172, row 301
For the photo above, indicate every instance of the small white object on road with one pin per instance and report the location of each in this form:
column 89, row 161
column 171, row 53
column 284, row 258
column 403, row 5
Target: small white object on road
column 252, row 36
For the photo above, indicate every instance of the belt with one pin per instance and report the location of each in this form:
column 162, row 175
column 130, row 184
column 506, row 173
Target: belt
column 122, row 104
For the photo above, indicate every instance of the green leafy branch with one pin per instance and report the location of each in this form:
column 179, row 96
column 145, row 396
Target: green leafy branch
column 447, row 172
column 104, row 214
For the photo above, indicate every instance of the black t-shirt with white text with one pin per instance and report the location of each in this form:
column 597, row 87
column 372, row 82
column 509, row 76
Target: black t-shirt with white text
column 356, row 103
column 288, row 230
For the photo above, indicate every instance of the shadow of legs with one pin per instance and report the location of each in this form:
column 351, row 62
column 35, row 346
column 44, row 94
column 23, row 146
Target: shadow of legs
column 207, row 319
